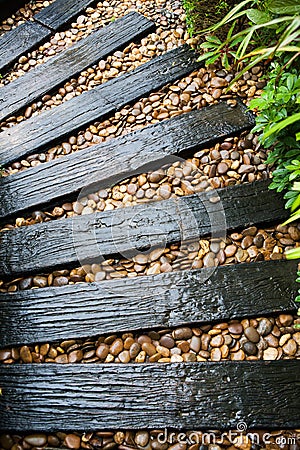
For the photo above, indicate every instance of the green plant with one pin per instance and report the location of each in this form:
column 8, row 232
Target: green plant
column 278, row 122
column 274, row 29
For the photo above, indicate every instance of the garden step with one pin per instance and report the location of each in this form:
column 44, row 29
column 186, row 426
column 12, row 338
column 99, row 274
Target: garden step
column 90, row 397
column 62, row 12
column 127, row 231
column 165, row 300
column 88, row 51
column 31, row 34
column 19, row 41
column 107, row 163
column 51, row 126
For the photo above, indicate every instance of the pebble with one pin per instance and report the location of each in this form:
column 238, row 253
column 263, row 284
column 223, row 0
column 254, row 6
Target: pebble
column 25, row 354
column 264, row 327
column 36, row 440
column 252, row 334
column 250, row 348
column 270, row 353
column 72, row 441
column 290, row 347
column 235, row 328
column 182, row 333
column 141, row 438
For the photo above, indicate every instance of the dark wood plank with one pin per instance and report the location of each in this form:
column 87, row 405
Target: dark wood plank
column 126, row 231
column 53, row 125
column 18, row 41
column 62, row 12
column 9, row 7
column 46, row 77
column 166, row 300
column 52, row 397
column 120, row 158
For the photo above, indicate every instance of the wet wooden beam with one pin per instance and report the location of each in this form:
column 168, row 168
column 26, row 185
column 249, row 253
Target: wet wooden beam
column 106, row 164
column 19, row 41
column 52, row 126
column 88, row 51
column 127, row 231
column 163, row 301
column 52, row 397
column 62, row 12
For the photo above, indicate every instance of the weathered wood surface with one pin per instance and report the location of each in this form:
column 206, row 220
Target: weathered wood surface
column 51, row 126
column 8, row 7
column 116, row 159
column 127, row 231
column 52, row 397
column 46, row 77
column 165, row 300
column 62, row 12
column 18, row 41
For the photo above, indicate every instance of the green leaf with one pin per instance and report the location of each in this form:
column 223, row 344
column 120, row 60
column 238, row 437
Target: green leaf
column 258, row 17
column 294, row 253
column 284, row 6
column 293, row 217
column 296, row 203
column 281, row 125
column 297, row 299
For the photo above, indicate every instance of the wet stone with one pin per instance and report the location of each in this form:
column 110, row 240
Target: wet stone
column 72, row 441
column 252, row 334
column 264, row 327
column 182, row 333
column 235, row 328
column 167, row 341
column 36, row 440
column 25, row 354
column 290, row 347
column 250, row 348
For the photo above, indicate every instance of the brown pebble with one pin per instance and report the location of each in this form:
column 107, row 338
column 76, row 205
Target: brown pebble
column 235, row 328
column 75, row 356
column 149, row 348
column 250, row 348
column 102, row 351
column 25, row 354
column 116, row 347
column 270, row 353
column 264, row 327
column 182, row 333
column 72, row 441
column 5, row 354
column 290, row 347
column 60, row 281
column 216, row 354
column 222, row 168
column 167, row 341
column 252, row 334
column 124, row 356
column 217, row 341
column 286, row 320
column 36, row 440
column 134, row 350
column 237, row 356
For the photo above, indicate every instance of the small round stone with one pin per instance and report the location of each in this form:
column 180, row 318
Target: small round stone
column 72, row 441
column 252, row 334
column 250, row 348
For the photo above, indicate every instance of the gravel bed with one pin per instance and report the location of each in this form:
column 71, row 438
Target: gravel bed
column 235, row 160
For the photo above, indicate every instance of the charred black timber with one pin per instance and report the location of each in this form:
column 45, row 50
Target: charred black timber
column 50, row 397
column 48, row 76
column 128, row 231
column 18, row 41
column 51, row 126
column 165, row 300
column 62, row 12
column 106, row 164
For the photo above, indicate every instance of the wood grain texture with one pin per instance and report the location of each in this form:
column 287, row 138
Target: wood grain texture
column 9, row 7
column 18, row 41
column 110, row 162
column 127, row 231
column 46, row 77
column 165, row 300
column 52, row 397
column 61, row 12
column 51, row 126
